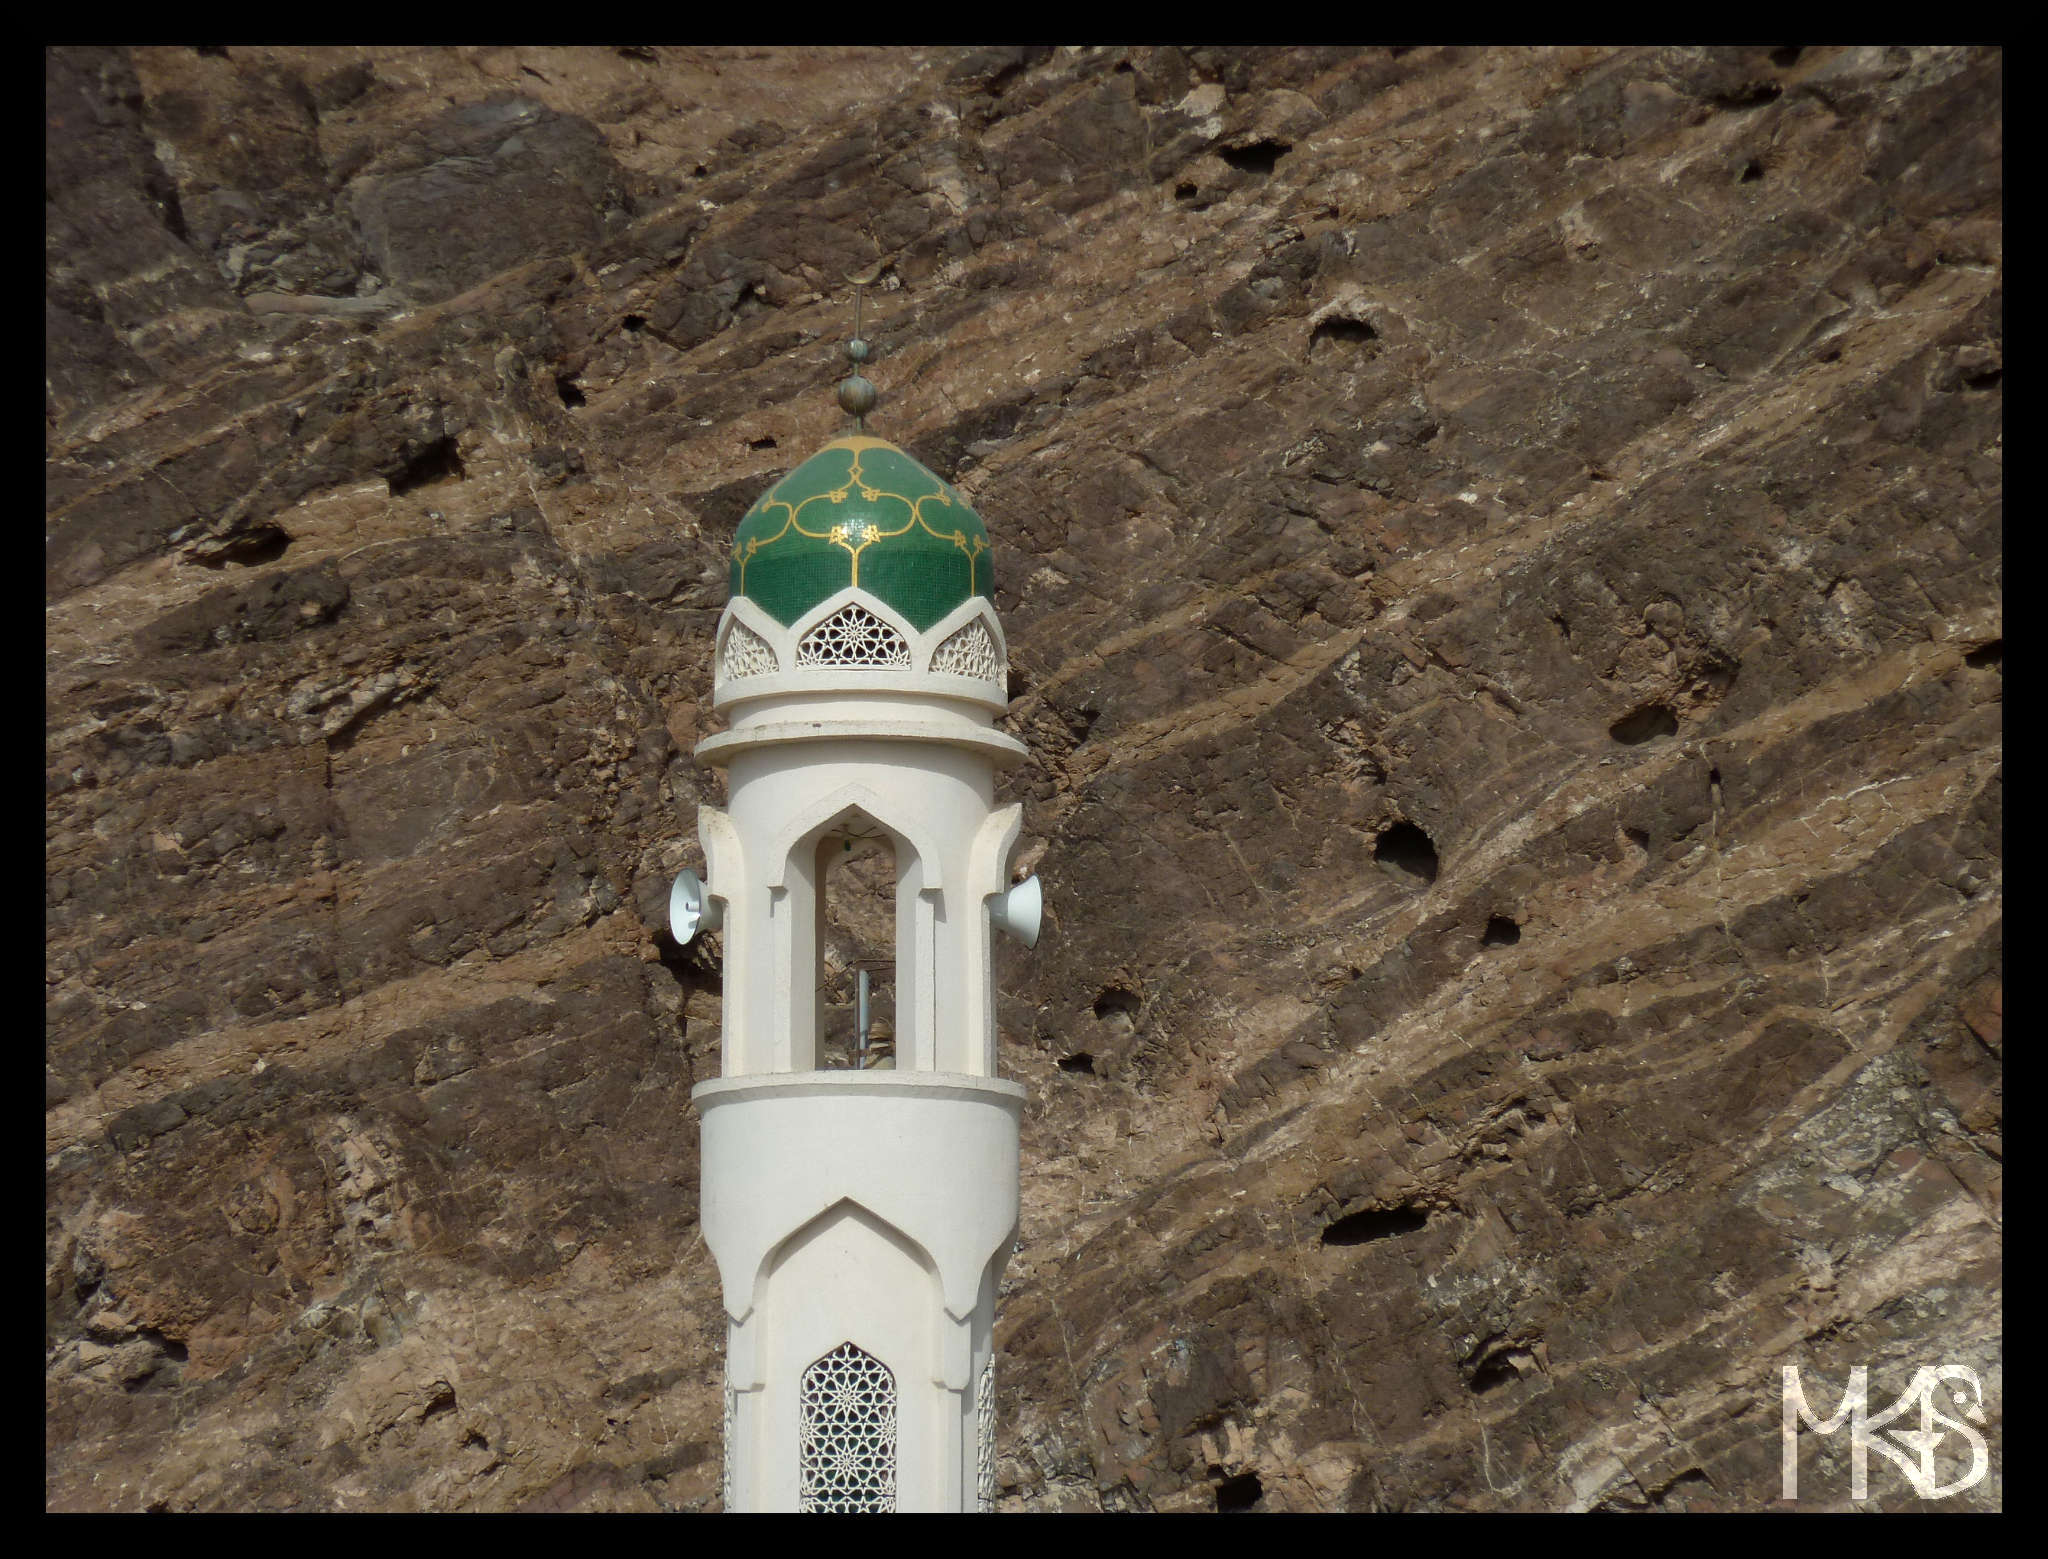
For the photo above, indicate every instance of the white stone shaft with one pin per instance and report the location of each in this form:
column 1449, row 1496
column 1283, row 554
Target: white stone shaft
column 874, row 1208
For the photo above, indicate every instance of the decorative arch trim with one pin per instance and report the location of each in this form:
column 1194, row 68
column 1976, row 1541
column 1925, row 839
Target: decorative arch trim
column 853, row 639
column 971, row 650
column 837, row 602
column 838, row 1207
column 821, row 812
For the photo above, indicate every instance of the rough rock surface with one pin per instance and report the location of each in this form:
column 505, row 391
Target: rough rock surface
column 1501, row 553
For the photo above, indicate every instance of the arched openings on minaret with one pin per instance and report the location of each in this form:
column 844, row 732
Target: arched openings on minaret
column 857, row 1215
column 846, row 908
column 859, row 878
column 847, row 1307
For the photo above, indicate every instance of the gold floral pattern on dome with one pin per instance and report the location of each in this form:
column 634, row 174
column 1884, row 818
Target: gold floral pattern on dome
column 861, row 512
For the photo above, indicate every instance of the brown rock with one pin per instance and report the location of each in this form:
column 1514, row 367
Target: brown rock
column 1431, row 488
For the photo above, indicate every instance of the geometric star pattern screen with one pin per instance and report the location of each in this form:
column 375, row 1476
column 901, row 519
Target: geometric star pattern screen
column 969, row 653
column 852, row 636
column 847, row 1441
column 747, row 654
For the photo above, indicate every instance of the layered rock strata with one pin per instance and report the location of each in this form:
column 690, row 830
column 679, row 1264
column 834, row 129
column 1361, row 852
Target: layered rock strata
column 1501, row 558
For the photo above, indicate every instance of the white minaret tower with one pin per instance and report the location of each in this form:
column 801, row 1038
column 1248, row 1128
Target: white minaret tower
column 860, row 1213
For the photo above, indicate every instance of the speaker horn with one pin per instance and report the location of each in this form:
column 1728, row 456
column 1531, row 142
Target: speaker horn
column 1019, row 911
column 691, row 909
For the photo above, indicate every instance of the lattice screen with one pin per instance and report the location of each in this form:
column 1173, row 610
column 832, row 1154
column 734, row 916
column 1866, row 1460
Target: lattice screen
column 747, row 654
column 985, row 1424
column 852, row 636
column 970, row 653
column 731, row 1413
column 847, row 1443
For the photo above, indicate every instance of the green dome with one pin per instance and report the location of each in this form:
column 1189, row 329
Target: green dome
column 861, row 512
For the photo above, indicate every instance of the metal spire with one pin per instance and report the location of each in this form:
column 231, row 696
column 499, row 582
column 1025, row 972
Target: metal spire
column 856, row 395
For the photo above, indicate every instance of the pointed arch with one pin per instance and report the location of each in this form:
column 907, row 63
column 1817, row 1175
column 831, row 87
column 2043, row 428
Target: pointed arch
column 971, row 650
column 831, row 1212
column 820, row 812
column 839, row 601
column 744, row 653
column 853, row 639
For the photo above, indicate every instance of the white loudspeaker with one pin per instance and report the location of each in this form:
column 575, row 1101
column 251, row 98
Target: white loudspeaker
column 1019, row 911
column 691, row 909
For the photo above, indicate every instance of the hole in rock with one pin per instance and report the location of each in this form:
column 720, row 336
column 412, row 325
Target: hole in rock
column 1375, row 1223
column 1717, row 676
column 1239, row 1493
column 1496, row 1370
column 1079, row 1061
column 1751, row 172
column 1408, row 849
column 1116, row 999
column 1019, row 684
column 440, row 461
column 164, row 194
column 1786, row 56
column 1185, row 190
column 1259, row 157
column 473, row 1438
column 172, row 1348
column 701, row 171
column 1500, row 932
column 633, row 323
column 1752, row 94
column 1125, row 68
column 1984, row 380
column 695, row 967
column 210, row 51
column 265, row 544
column 1986, row 656
column 1562, row 625
column 760, row 443
column 570, row 391
column 1639, row 837
column 1644, row 724
column 1336, row 328
column 1685, row 1483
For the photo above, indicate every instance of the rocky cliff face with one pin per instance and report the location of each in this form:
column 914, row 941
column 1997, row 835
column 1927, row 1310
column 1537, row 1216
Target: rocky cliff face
column 1501, row 554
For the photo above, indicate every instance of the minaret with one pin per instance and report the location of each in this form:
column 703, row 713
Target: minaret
column 860, row 1213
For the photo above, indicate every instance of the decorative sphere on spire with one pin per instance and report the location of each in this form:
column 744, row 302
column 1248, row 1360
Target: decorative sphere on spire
column 856, row 396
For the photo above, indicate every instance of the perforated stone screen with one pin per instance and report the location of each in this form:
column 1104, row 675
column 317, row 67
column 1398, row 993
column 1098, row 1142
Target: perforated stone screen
column 725, row 1486
column 852, row 636
column 747, row 654
column 970, row 652
column 848, row 1435
column 985, row 1426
